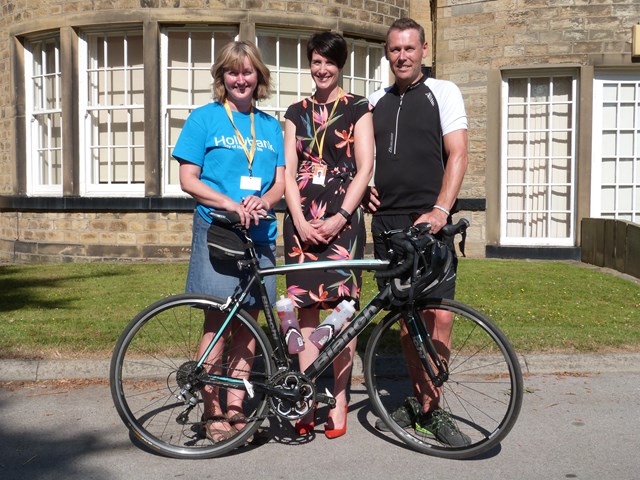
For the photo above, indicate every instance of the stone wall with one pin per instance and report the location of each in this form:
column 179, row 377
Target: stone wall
column 37, row 235
column 474, row 38
column 81, row 236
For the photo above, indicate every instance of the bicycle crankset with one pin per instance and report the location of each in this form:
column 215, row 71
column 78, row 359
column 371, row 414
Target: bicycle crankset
column 298, row 395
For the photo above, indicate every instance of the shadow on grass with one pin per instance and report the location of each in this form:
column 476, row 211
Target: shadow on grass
column 19, row 290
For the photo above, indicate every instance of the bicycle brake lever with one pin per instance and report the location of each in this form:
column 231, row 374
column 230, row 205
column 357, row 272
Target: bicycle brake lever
column 421, row 228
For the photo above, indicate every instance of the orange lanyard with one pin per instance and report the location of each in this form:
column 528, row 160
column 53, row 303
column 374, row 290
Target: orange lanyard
column 250, row 154
column 324, row 132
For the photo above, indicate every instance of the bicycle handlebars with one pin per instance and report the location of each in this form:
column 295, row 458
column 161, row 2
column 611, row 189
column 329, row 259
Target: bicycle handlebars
column 228, row 218
column 405, row 243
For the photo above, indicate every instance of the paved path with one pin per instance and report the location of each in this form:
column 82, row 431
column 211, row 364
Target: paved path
column 572, row 426
column 38, row 370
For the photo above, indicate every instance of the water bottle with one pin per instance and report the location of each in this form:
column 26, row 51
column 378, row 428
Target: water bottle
column 333, row 323
column 289, row 324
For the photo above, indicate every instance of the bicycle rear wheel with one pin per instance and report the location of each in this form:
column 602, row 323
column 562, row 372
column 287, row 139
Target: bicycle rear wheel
column 483, row 393
column 156, row 384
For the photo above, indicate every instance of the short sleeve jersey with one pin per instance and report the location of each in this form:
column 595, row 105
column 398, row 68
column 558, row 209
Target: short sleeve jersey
column 408, row 130
column 209, row 140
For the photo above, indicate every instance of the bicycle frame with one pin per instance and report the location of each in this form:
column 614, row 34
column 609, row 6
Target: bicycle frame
column 256, row 275
column 382, row 300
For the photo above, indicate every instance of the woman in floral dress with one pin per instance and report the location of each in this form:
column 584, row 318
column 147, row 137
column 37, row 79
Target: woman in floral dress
column 329, row 163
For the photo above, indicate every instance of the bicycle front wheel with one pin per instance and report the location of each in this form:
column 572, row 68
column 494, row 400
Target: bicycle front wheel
column 480, row 400
column 157, row 385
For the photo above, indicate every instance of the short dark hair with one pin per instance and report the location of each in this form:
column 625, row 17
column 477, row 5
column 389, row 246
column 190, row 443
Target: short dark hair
column 330, row 45
column 408, row 24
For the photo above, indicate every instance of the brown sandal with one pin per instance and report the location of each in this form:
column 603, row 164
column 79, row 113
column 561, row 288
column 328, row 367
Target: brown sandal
column 237, row 418
column 222, row 434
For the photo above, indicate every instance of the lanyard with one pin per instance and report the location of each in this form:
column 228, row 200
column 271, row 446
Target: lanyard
column 249, row 154
column 324, row 132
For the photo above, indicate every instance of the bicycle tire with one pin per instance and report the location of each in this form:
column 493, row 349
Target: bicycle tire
column 151, row 361
column 483, row 393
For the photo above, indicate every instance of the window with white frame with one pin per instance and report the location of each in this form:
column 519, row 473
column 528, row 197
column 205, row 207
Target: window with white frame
column 111, row 100
column 112, row 113
column 285, row 53
column 43, row 114
column 363, row 72
column 538, row 159
column 187, row 55
column 615, row 173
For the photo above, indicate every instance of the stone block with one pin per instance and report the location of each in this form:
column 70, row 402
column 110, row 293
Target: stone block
column 125, row 238
column 113, row 251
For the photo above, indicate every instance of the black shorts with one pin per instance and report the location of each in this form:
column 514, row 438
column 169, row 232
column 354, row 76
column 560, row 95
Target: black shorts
column 383, row 223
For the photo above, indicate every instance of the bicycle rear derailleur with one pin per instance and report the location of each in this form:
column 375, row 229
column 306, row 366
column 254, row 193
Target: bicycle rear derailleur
column 190, row 379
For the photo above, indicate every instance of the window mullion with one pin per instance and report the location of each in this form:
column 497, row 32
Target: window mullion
column 299, row 66
column 549, row 160
column 127, row 70
column 367, row 66
column 528, row 188
column 279, row 70
column 48, row 150
column 616, row 162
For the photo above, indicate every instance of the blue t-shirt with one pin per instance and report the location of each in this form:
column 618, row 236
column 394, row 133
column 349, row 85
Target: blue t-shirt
column 209, row 140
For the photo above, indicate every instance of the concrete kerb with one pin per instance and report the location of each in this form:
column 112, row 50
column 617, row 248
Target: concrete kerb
column 44, row 370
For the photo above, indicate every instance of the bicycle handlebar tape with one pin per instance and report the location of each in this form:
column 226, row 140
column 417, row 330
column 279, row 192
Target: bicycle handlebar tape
column 403, row 258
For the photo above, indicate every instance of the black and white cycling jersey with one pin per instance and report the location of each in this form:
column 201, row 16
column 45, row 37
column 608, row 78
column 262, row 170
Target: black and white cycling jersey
column 408, row 129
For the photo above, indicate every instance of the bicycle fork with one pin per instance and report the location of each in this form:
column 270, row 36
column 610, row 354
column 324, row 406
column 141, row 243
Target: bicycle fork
column 426, row 350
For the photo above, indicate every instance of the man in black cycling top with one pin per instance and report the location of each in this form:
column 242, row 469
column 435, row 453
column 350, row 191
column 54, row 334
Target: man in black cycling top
column 420, row 127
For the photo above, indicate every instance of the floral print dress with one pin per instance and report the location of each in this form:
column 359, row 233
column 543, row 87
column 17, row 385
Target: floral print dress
column 322, row 199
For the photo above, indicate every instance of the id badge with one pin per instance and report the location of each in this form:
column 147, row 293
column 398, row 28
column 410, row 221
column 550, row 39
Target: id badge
column 250, row 183
column 319, row 174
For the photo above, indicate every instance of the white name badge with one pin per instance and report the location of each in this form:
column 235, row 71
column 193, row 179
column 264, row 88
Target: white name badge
column 250, row 183
column 319, row 174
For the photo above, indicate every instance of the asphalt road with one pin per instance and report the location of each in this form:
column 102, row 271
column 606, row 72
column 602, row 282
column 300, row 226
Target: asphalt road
column 572, row 426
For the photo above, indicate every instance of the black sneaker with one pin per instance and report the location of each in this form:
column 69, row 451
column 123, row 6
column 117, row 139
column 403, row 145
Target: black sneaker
column 440, row 424
column 405, row 415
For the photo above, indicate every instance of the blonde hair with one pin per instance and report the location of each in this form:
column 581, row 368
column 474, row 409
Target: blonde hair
column 232, row 55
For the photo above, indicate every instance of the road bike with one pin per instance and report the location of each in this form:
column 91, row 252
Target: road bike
column 157, row 376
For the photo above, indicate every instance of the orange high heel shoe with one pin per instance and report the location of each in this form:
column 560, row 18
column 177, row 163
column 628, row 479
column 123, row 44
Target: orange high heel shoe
column 303, row 428
column 337, row 432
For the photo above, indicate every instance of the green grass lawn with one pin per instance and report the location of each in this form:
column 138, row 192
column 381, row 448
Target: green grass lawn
column 76, row 310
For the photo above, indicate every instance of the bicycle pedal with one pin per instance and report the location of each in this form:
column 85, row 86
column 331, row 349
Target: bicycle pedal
column 326, row 398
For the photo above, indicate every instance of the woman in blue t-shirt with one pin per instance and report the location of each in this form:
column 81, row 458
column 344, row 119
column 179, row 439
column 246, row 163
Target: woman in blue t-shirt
column 231, row 158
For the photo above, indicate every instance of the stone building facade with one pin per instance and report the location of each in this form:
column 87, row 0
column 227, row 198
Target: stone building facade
column 68, row 219
column 585, row 153
column 540, row 79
